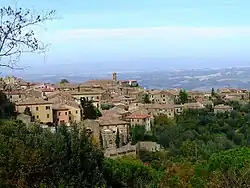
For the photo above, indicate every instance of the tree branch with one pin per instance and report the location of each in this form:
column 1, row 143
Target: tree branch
column 16, row 33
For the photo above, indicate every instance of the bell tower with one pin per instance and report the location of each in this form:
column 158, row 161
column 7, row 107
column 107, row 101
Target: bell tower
column 114, row 76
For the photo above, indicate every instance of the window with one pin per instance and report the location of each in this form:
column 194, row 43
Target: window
column 19, row 96
column 37, row 108
column 47, row 115
column 47, row 107
column 76, row 111
column 59, row 113
column 69, row 112
column 66, row 113
column 69, row 118
column 37, row 117
column 10, row 96
column 97, row 97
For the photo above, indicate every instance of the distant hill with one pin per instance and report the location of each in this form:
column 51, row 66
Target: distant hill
column 195, row 79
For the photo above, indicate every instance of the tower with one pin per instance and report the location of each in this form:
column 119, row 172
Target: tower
column 114, row 77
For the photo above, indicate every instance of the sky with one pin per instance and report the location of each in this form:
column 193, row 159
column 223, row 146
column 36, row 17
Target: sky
column 142, row 34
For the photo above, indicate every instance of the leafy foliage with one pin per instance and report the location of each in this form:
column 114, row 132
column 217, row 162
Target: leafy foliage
column 183, row 97
column 146, row 99
column 64, row 81
column 7, row 108
column 130, row 173
column 107, row 106
column 89, row 111
column 36, row 157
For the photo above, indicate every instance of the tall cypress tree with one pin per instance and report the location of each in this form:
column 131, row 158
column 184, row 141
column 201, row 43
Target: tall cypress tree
column 117, row 139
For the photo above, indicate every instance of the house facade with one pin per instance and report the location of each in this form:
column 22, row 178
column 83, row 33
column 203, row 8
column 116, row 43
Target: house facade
column 40, row 109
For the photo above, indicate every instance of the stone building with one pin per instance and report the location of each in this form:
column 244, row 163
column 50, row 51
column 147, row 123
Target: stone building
column 109, row 127
column 222, row 108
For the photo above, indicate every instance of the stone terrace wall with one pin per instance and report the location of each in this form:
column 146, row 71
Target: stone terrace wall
column 124, row 150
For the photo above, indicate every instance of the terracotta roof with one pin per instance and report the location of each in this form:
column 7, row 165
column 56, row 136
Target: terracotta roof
column 111, row 122
column 138, row 116
column 46, row 90
column 159, row 106
column 100, row 82
column 59, row 107
column 33, row 101
column 66, row 85
column 88, row 92
column 15, row 92
column 115, row 110
column 63, row 98
column 156, row 92
column 34, row 92
column 190, row 105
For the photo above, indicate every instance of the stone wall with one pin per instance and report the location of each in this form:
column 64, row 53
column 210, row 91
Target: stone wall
column 148, row 146
column 124, row 150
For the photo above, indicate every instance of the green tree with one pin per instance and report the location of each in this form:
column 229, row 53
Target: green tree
column 40, row 158
column 130, row 173
column 213, row 92
column 107, row 106
column 89, row 111
column 146, row 99
column 117, row 139
column 138, row 133
column 27, row 111
column 7, row 108
column 17, row 33
column 64, row 81
column 183, row 96
column 101, row 140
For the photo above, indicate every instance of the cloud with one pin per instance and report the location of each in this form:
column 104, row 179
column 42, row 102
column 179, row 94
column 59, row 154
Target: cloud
column 152, row 32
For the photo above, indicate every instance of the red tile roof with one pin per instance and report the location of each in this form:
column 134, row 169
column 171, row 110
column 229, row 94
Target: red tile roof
column 138, row 116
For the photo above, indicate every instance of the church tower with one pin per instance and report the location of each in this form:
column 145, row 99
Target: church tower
column 114, row 77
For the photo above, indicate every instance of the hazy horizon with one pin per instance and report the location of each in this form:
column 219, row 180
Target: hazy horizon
column 143, row 35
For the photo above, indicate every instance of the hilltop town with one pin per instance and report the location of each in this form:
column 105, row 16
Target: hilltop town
column 122, row 105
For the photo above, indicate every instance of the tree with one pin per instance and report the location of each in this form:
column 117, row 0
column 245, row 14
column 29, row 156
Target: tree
column 64, row 81
column 129, row 173
column 138, row 133
column 117, row 139
column 101, row 140
column 17, row 34
column 107, row 106
column 212, row 92
column 146, row 99
column 36, row 157
column 7, row 108
column 183, row 96
column 27, row 111
column 89, row 111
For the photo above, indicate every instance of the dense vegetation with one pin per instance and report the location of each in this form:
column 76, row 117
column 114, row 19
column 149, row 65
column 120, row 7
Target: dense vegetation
column 200, row 149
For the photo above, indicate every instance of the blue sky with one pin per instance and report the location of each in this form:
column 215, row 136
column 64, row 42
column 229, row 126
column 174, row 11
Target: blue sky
column 167, row 33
